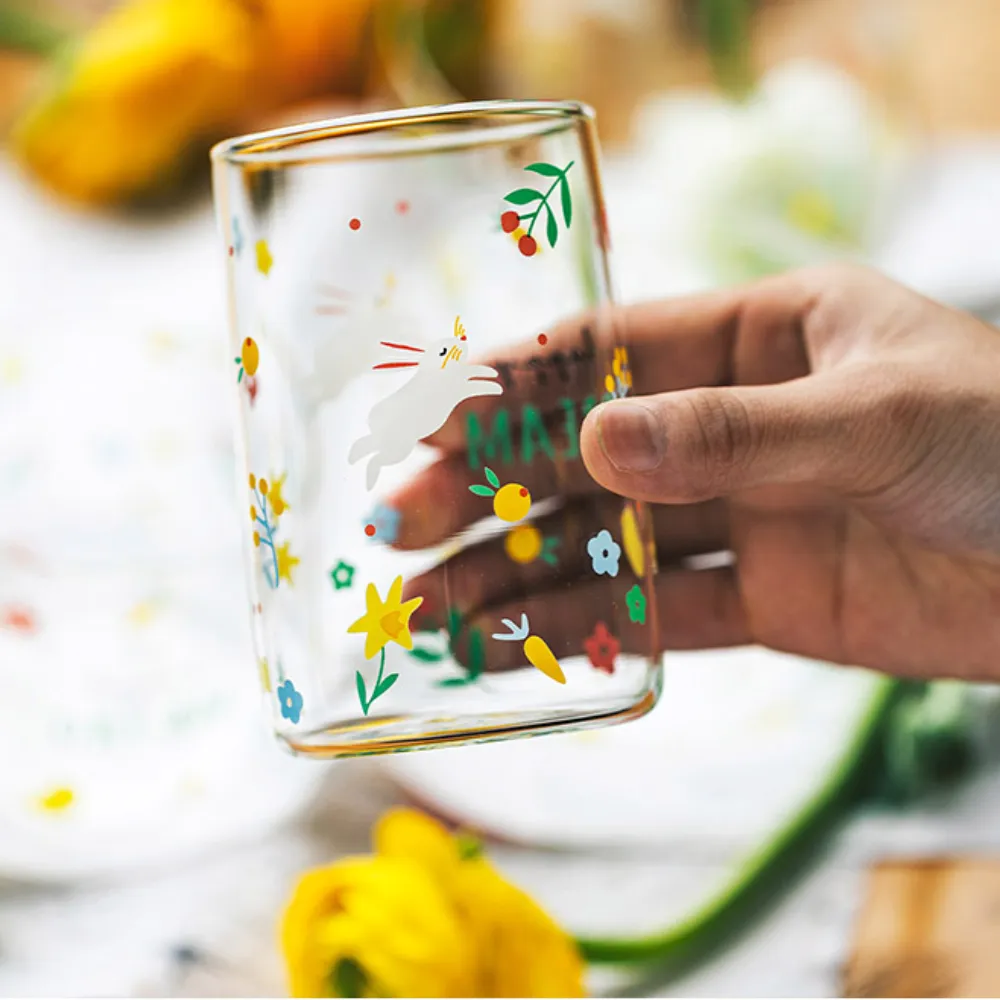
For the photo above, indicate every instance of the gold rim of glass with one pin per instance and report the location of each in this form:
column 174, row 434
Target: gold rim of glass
column 271, row 147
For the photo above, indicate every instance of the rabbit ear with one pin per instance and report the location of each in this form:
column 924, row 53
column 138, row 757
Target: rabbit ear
column 402, row 347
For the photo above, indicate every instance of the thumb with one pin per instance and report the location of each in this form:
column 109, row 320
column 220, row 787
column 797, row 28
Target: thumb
column 684, row 447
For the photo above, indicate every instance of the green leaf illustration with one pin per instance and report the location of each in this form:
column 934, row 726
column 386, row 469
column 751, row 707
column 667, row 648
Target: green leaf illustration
column 567, row 201
column 481, row 491
column 491, row 477
column 385, row 685
column 362, row 693
column 528, row 196
column 454, row 682
column 545, row 168
column 426, row 655
column 524, row 196
column 552, row 230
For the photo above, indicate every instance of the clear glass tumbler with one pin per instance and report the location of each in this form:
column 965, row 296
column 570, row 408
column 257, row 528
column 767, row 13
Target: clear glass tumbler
column 420, row 323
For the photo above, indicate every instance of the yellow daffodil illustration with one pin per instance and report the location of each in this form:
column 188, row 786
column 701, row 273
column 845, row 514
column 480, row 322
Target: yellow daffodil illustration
column 383, row 622
column 426, row 916
column 386, row 621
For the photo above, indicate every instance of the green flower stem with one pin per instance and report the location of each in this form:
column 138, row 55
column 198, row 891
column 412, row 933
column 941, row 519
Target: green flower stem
column 770, row 869
column 378, row 683
column 24, row 31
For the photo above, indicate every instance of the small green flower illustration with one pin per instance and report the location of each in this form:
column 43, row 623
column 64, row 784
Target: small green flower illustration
column 342, row 575
column 635, row 600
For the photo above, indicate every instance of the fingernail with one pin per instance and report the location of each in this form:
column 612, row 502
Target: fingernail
column 630, row 437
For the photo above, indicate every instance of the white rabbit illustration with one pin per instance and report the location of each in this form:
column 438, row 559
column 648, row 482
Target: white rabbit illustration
column 420, row 407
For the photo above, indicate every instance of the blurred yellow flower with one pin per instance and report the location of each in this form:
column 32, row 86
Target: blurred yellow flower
column 426, row 916
column 157, row 80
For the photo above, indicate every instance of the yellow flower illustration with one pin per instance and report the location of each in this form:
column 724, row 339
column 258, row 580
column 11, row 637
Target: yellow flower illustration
column 278, row 503
column 58, row 800
column 426, row 916
column 619, row 382
column 286, row 562
column 387, row 621
column 264, row 259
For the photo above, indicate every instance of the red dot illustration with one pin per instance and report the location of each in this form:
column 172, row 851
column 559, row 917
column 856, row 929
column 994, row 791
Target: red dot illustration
column 509, row 221
column 523, row 491
column 355, row 224
column 231, row 251
column 527, row 246
column 402, row 206
column 19, row 619
column 543, row 339
column 370, row 530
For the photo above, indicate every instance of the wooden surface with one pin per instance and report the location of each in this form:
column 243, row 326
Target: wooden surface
column 928, row 928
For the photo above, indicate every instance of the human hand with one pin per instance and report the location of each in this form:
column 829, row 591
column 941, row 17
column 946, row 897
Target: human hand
column 837, row 433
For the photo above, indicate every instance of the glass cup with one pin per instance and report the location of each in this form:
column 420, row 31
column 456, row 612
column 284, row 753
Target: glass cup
column 420, row 316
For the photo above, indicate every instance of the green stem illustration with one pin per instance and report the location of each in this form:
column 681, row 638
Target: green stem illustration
column 525, row 196
column 381, row 685
column 544, row 203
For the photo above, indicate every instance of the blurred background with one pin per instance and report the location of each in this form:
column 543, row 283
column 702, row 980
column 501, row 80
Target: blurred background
column 150, row 833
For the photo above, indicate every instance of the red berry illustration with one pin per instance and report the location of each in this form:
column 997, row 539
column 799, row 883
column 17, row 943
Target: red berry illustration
column 509, row 221
column 527, row 245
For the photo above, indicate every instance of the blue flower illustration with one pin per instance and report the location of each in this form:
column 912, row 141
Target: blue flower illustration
column 604, row 553
column 290, row 701
column 383, row 524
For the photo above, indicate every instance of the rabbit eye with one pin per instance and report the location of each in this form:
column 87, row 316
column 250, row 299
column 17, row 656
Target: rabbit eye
column 443, row 352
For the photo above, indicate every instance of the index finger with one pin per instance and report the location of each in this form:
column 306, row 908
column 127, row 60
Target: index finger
column 747, row 334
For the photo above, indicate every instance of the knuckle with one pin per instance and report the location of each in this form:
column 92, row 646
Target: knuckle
column 721, row 442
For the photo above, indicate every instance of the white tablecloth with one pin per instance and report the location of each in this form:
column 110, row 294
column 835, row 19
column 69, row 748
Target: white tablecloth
column 122, row 938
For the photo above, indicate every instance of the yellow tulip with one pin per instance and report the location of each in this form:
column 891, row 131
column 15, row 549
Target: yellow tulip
column 425, row 916
column 157, row 80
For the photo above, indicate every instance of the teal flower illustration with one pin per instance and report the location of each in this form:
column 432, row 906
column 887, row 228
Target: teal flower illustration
column 290, row 701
